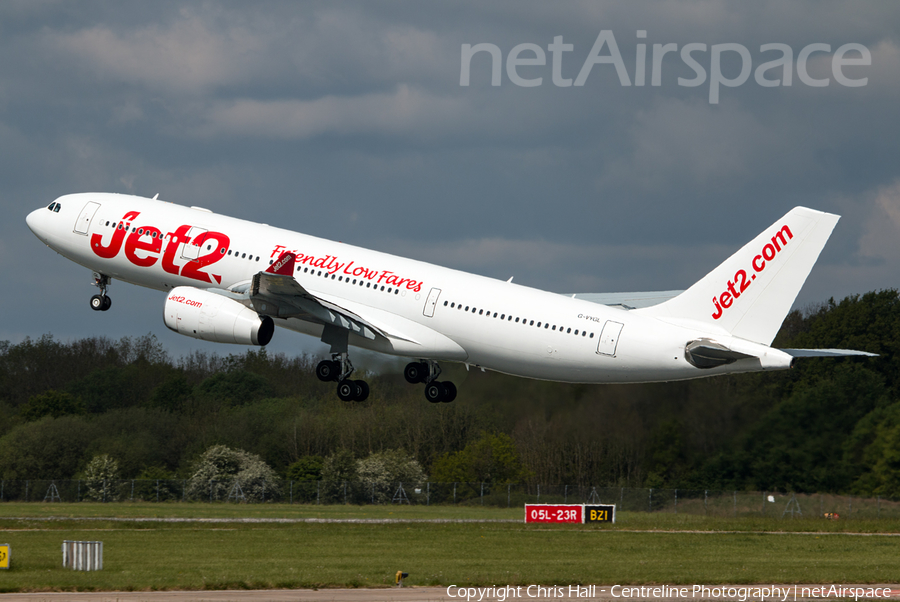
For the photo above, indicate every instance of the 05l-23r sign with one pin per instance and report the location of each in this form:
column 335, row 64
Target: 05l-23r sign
column 570, row 513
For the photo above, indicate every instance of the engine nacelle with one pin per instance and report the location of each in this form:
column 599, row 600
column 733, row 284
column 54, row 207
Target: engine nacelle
column 211, row 317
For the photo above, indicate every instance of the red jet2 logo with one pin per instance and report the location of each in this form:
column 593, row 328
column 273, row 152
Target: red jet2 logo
column 148, row 241
column 742, row 281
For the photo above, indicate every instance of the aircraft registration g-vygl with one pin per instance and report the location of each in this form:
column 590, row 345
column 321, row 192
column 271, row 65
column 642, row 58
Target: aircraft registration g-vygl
column 232, row 281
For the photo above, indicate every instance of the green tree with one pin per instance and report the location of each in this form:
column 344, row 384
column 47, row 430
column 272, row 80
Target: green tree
column 50, row 448
column 887, row 468
column 868, row 322
column 873, row 448
column 799, row 444
column 304, row 474
column 155, row 483
column 339, row 466
column 492, row 458
column 114, row 387
column 173, row 394
column 667, row 455
column 139, row 437
column 338, row 470
column 51, row 403
column 236, row 387
column 307, row 468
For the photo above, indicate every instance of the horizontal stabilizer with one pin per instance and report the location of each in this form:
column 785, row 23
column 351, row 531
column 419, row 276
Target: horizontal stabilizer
column 827, row 353
column 628, row 300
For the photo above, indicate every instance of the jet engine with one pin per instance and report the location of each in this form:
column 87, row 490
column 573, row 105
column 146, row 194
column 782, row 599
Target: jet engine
column 212, row 317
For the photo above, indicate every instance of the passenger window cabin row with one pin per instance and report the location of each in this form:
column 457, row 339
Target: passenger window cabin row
column 516, row 319
column 155, row 234
column 362, row 282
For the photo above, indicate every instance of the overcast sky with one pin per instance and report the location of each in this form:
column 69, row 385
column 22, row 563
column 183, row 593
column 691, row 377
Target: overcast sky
column 348, row 120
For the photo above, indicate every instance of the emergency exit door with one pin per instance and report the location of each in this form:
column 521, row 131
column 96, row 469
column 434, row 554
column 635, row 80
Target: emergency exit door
column 431, row 302
column 609, row 338
column 84, row 218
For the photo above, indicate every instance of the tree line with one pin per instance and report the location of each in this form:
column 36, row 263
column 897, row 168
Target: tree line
column 828, row 425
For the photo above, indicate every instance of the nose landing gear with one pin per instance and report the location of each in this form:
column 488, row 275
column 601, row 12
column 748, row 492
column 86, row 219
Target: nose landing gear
column 428, row 371
column 101, row 302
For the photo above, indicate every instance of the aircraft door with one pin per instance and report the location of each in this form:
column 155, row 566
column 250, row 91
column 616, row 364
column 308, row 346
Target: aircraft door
column 609, row 338
column 431, row 302
column 191, row 249
column 84, row 218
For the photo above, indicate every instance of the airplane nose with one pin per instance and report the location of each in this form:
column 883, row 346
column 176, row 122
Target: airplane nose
column 32, row 220
column 36, row 221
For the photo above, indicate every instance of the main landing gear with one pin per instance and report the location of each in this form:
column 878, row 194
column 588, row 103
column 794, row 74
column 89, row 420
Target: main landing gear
column 427, row 371
column 339, row 369
column 101, row 302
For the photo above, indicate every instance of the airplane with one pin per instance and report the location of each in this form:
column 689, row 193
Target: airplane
column 230, row 280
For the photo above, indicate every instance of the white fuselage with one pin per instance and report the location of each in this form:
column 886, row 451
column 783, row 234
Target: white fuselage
column 442, row 314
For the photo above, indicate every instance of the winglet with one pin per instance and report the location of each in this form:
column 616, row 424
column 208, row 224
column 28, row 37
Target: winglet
column 284, row 265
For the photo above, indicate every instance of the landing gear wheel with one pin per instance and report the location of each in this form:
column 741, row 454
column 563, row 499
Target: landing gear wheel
column 415, row 372
column 362, row 390
column 435, row 392
column 101, row 302
column 449, row 392
column 348, row 390
column 328, row 371
column 353, row 390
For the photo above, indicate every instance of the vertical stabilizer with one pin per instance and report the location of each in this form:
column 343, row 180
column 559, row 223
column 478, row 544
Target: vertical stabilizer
column 751, row 292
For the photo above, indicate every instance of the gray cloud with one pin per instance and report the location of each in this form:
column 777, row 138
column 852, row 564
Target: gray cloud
column 402, row 111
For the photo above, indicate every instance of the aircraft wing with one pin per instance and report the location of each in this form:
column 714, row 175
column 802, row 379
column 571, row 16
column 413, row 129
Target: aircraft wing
column 628, row 300
column 275, row 292
column 282, row 296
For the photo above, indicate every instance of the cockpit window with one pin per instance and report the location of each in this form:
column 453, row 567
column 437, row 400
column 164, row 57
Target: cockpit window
column 57, row 208
column 52, row 206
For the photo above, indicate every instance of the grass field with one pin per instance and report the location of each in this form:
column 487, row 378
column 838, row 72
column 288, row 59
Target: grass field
column 640, row 548
column 226, row 510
